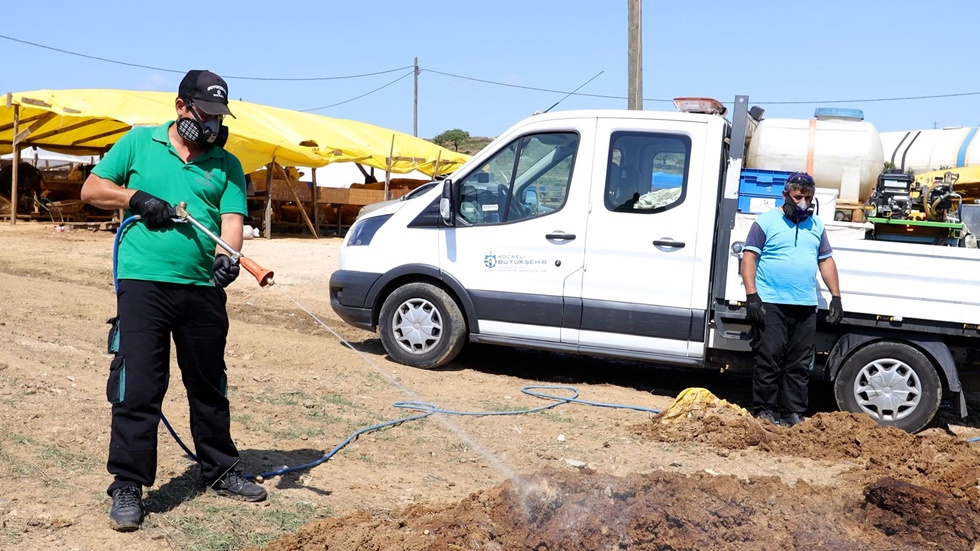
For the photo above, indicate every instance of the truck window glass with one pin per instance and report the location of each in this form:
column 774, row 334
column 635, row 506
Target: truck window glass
column 646, row 173
column 526, row 179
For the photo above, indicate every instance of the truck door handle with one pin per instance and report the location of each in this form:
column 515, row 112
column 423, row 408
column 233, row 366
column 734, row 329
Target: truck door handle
column 560, row 236
column 669, row 243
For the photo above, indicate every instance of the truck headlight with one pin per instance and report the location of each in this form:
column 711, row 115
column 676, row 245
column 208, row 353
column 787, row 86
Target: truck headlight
column 363, row 231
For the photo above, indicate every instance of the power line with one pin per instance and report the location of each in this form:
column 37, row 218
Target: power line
column 165, row 70
column 868, row 100
column 871, row 100
column 485, row 81
column 531, row 87
column 362, row 75
column 162, row 69
column 362, row 95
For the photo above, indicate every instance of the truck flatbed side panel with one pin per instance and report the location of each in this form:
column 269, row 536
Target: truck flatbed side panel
column 890, row 279
column 909, row 280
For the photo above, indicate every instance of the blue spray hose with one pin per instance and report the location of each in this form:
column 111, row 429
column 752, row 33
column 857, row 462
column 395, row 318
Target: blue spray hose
column 426, row 409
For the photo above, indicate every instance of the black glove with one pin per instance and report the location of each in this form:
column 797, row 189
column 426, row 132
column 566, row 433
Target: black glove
column 224, row 271
column 755, row 312
column 835, row 312
column 155, row 212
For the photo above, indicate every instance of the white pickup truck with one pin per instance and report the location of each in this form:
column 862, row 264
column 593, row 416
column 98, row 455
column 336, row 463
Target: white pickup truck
column 616, row 234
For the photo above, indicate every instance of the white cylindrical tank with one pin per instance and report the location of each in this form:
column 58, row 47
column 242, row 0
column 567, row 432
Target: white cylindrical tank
column 934, row 149
column 837, row 147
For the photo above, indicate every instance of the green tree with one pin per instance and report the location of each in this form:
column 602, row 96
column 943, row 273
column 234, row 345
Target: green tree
column 454, row 137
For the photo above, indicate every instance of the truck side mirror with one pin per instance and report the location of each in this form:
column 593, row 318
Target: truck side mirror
column 446, row 204
column 530, row 201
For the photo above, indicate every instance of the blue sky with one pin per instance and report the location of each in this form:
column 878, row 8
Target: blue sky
column 777, row 52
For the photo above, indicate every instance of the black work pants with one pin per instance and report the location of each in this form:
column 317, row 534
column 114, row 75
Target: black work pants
column 783, row 356
column 149, row 314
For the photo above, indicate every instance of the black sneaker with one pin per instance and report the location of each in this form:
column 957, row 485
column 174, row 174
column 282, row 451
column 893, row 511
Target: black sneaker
column 791, row 419
column 126, row 513
column 766, row 415
column 236, row 486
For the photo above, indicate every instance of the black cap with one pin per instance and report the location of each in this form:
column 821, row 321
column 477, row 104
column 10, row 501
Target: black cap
column 208, row 91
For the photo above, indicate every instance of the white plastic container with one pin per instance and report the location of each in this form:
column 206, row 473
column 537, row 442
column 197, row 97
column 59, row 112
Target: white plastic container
column 839, row 149
column 826, row 203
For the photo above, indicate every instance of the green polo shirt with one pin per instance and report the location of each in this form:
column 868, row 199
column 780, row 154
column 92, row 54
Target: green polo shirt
column 212, row 184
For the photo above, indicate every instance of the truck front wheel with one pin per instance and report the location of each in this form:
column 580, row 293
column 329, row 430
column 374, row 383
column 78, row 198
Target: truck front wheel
column 421, row 326
column 893, row 382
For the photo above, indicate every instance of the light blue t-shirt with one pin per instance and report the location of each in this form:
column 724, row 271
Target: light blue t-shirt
column 788, row 255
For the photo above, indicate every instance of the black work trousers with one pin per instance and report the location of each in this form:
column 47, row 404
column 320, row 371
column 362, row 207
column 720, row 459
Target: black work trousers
column 149, row 314
column 783, row 356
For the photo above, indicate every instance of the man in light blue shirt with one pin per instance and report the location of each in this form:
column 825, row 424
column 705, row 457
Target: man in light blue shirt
column 783, row 252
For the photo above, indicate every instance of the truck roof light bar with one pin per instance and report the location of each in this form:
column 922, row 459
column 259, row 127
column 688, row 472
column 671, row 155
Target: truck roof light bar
column 707, row 106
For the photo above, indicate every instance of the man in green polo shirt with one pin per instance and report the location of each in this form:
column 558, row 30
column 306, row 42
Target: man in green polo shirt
column 171, row 282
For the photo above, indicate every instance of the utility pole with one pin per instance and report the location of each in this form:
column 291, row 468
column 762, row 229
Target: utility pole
column 415, row 109
column 634, row 88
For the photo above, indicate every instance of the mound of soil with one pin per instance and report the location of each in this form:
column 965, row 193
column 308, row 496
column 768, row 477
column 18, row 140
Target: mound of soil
column 906, row 492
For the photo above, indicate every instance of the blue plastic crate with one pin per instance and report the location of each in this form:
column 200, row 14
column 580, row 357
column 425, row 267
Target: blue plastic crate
column 760, row 190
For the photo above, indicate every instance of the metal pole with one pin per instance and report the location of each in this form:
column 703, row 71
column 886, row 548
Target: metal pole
column 634, row 86
column 390, row 163
column 267, row 211
column 728, row 203
column 316, row 202
column 415, row 108
column 15, row 168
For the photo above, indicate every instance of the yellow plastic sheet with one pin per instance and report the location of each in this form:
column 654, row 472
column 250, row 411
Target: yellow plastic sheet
column 88, row 121
column 694, row 400
column 407, row 152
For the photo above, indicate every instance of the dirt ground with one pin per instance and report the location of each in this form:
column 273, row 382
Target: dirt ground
column 573, row 476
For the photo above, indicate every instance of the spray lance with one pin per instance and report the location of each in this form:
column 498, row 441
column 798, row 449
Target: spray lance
column 263, row 276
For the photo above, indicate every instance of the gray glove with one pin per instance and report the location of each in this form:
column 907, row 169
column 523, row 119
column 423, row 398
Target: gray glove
column 224, row 271
column 835, row 312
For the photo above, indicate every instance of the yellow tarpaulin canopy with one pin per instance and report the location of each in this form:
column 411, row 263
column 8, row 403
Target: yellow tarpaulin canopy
column 88, row 121
column 407, row 152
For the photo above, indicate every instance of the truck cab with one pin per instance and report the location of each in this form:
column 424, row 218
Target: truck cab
column 580, row 231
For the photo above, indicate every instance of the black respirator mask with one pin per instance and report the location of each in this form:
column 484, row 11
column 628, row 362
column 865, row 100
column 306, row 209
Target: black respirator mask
column 797, row 212
column 209, row 133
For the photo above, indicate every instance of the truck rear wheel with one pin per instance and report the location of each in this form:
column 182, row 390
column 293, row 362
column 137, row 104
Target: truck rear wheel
column 893, row 382
column 421, row 326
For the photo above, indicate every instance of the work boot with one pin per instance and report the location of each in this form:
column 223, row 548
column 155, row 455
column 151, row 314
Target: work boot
column 236, row 486
column 126, row 513
column 766, row 415
column 791, row 419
